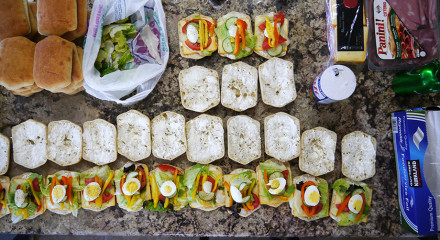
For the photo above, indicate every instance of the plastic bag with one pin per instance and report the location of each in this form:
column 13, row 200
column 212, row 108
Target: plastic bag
column 147, row 72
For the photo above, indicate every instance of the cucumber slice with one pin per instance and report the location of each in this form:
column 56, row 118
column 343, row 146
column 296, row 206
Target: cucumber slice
column 196, row 25
column 231, row 21
column 275, row 51
column 227, row 45
column 206, row 196
column 276, row 175
column 357, row 191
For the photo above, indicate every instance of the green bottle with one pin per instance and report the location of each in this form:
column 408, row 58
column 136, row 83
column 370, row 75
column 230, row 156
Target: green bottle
column 425, row 79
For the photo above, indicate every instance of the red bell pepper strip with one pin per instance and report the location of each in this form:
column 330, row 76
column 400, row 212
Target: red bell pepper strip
column 36, row 185
column 362, row 209
column 165, row 167
column 237, row 42
column 346, row 209
column 143, row 175
column 256, row 201
column 343, row 205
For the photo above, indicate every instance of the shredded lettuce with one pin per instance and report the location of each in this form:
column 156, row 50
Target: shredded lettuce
column 272, row 167
column 242, row 176
column 250, row 39
column 323, row 190
column 159, row 208
column 191, row 175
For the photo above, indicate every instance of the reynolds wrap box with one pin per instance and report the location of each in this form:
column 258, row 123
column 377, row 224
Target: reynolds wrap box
column 416, row 135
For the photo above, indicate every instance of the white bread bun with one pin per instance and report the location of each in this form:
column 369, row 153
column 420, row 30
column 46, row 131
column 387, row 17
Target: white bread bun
column 358, row 156
column 134, row 135
column 29, row 144
column 64, row 142
column 244, row 141
column 99, row 142
column 5, row 149
column 168, row 135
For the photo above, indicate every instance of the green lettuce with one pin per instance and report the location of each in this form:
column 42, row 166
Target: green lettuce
column 242, row 176
column 272, row 167
column 323, row 190
column 159, row 208
column 162, row 177
column 250, row 39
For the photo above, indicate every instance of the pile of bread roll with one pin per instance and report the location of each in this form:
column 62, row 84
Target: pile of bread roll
column 36, row 51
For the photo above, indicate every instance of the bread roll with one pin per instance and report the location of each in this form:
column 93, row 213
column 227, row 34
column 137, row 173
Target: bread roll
column 14, row 18
column 56, row 17
column 244, row 141
column 29, row 144
column 168, row 135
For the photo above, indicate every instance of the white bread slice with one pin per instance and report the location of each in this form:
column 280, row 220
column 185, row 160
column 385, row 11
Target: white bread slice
column 318, row 146
column 244, row 141
column 277, row 82
column 64, row 142
column 239, row 86
column 358, row 156
column 5, row 149
column 134, row 138
column 199, row 88
column 29, row 144
column 282, row 136
column 168, row 135
column 205, row 138
column 99, row 142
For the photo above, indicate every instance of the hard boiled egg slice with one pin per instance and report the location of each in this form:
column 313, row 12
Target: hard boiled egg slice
column 58, row 193
column 207, row 186
column 277, row 186
column 20, row 198
column 168, row 189
column 355, row 203
column 131, row 186
column 312, row 196
column 92, row 191
column 192, row 33
column 220, row 197
column 237, row 196
column 232, row 30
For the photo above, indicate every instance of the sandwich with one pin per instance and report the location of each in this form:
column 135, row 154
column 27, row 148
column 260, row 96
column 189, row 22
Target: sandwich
column 311, row 198
column 167, row 189
column 235, row 38
column 98, row 188
column 274, row 182
column 351, row 202
column 204, row 185
column 132, row 186
column 63, row 193
column 272, row 31
column 25, row 199
column 241, row 192
column 4, row 191
column 197, row 38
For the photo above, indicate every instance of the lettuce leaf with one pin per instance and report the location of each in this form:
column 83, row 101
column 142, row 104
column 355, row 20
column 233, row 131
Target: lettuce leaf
column 271, row 167
column 323, row 190
column 159, row 208
column 244, row 175
column 191, row 175
column 341, row 186
column 31, row 208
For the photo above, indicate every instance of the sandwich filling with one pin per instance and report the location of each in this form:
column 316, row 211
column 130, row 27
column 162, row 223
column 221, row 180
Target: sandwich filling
column 199, row 33
column 274, row 40
column 314, row 198
column 25, row 197
column 63, row 192
column 239, row 195
column 167, row 189
column 3, row 200
column 98, row 186
column 275, row 178
column 131, row 184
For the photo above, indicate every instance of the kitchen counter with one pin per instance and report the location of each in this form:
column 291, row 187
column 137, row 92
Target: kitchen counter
column 366, row 110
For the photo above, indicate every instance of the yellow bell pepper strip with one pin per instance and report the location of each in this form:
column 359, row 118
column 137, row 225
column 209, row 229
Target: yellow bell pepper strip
column 25, row 213
column 206, row 34
column 216, row 182
column 245, row 208
column 175, row 177
column 33, row 192
column 250, row 188
column 154, row 190
column 52, row 185
column 243, row 192
column 177, row 187
column 250, row 206
column 266, row 181
column 230, row 196
column 196, row 186
column 133, row 201
column 283, row 198
column 362, row 209
column 205, row 176
column 237, row 42
column 270, row 32
column 242, row 26
column 202, row 24
column 167, row 202
column 98, row 201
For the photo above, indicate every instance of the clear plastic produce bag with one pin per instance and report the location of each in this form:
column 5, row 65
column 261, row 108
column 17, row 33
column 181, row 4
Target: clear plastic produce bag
column 147, row 64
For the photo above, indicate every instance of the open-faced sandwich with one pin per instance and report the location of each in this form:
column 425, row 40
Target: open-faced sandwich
column 274, row 182
column 311, row 198
column 197, row 37
column 235, row 38
column 4, row 190
column 241, row 192
column 63, row 193
column 132, row 187
column 98, row 188
column 351, row 202
column 25, row 199
column 167, row 189
column 204, row 185
column 272, row 31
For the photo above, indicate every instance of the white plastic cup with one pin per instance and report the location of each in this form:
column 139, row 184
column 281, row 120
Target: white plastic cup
column 334, row 84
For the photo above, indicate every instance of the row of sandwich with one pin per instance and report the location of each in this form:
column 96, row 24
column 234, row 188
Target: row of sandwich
column 169, row 188
column 202, row 138
column 199, row 36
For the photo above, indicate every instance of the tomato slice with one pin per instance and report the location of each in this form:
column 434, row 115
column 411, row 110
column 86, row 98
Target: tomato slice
column 89, row 180
column 279, row 17
column 197, row 21
column 106, row 197
column 18, row 187
column 166, row 167
column 346, row 209
column 196, row 47
column 318, row 208
column 256, row 201
column 36, row 185
column 162, row 198
column 266, row 42
column 38, row 206
column 262, row 26
column 144, row 177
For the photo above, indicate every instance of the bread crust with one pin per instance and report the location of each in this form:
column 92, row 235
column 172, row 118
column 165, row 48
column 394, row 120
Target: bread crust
column 14, row 20
column 5, row 158
column 81, row 28
column 55, row 17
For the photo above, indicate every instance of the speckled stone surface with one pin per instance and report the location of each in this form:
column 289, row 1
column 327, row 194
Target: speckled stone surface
column 367, row 110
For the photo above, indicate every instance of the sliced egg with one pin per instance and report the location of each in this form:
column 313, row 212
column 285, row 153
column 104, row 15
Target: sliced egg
column 232, row 30
column 168, row 189
column 20, row 198
column 355, row 203
column 192, row 33
column 237, row 196
column 312, row 196
column 58, row 193
column 131, row 186
column 207, row 186
column 265, row 33
column 220, row 197
column 277, row 186
column 92, row 191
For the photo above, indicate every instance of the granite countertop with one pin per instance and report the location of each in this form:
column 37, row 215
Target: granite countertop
column 367, row 110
